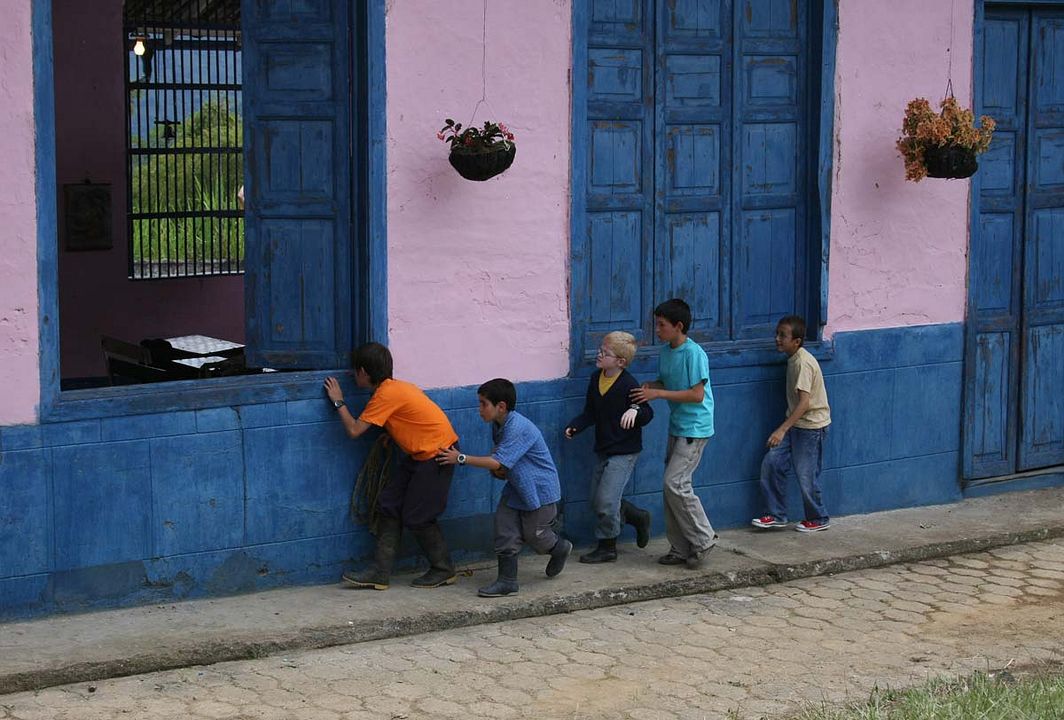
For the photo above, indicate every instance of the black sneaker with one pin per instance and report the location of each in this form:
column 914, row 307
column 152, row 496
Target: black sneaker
column 671, row 558
column 694, row 560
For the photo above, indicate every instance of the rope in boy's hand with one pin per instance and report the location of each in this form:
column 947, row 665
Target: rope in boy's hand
column 370, row 482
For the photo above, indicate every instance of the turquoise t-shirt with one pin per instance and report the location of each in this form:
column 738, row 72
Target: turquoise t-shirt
column 681, row 369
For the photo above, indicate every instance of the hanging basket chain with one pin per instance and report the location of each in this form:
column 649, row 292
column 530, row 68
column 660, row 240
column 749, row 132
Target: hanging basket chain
column 483, row 69
column 949, row 55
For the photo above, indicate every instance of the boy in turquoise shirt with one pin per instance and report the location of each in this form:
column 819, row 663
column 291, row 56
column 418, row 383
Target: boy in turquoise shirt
column 683, row 380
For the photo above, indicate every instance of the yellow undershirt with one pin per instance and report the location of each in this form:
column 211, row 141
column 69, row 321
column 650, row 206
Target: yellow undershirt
column 605, row 383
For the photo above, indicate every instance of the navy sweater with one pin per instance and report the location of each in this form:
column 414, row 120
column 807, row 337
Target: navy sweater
column 604, row 412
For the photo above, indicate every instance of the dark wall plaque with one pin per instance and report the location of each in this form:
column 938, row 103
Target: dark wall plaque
column 87, row 208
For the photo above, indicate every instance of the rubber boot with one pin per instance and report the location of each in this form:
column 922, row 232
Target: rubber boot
column 441, row 569
column 604, row 553
column 506, row 584
column 558, row 555
column 639, row 519
column 377, row 575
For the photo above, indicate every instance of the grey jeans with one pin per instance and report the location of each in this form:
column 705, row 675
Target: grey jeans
column 686, row 525
column 608, row 480
column 515, row 528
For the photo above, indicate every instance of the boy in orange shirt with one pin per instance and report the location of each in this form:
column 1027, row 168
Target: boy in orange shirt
column 416, row 494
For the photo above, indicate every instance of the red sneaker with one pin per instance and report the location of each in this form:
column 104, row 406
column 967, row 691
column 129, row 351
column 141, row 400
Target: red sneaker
column 808, row 526
column 767, row 522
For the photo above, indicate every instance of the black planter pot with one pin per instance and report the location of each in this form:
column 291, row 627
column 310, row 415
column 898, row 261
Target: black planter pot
column 485, row 164
column 950, row 161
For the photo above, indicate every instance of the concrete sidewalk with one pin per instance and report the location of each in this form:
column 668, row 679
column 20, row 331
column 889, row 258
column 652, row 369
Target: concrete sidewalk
column 77, row 648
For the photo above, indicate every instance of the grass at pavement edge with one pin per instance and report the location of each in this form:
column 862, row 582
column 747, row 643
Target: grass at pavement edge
column 1038, row 695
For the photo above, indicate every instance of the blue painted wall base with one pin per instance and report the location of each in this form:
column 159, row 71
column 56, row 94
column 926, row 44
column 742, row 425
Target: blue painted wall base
column 125, row 510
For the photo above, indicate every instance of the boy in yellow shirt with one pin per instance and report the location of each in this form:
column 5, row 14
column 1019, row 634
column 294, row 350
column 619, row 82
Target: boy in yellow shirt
column 796, row 447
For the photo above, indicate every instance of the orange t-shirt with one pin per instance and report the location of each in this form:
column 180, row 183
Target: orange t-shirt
column 414, row 422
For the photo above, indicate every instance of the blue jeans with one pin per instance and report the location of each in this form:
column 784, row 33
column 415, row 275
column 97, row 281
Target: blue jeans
column 607, row 485
column 801, row 455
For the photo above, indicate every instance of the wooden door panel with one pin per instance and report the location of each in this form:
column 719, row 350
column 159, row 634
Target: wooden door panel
column 298, row 123
column 1042, row 400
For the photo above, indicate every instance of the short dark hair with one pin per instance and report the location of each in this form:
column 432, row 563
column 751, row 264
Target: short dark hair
column 676, row 311
column 375, row 359
column 797, row 325
column 499, row 390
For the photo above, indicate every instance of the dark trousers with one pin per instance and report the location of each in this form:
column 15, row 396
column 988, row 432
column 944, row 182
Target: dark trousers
column 416, row 493
column 516, row 528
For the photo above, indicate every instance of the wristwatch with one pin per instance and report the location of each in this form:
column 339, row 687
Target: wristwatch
column 461, row 458
column 337, row 404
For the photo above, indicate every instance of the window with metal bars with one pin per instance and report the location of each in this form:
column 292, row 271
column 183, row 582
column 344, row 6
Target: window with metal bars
column 185, row 138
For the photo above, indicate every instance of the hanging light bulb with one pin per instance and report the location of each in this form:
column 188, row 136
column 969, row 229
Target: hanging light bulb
column 138, row 46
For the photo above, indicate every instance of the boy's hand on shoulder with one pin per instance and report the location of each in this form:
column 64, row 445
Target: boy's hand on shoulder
column 629, row 417
column 643, row 393
column 332, row 389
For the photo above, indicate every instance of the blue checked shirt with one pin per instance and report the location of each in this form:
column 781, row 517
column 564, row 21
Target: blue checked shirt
column 532, row 480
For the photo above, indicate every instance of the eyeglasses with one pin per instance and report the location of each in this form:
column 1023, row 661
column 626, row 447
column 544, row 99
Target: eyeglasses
column 603, row 353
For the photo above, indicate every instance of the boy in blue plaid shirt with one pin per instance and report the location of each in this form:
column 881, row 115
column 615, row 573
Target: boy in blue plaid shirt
column 529, row 502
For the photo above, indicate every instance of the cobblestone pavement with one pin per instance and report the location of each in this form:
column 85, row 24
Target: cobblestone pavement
column 755, row 652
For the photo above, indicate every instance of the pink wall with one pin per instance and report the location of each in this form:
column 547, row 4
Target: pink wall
column 478, row 272
column 95, row 296
column 19, row 346
column 898, row 249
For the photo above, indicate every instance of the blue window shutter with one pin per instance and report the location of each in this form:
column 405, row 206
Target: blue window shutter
column 297, row 120
column 770, row 169
column 691, row 143
column 613, row 257
column 693, row 151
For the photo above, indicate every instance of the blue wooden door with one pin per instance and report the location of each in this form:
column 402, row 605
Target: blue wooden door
column 770, row 164
column 1014, row 416
column 615, row 288
column 695, row 123
column 1042, row 383
column 693, row 151
column 298, row 124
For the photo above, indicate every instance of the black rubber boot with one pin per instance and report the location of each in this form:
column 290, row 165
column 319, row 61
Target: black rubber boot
column 506, row 584
column 604, row 553
column 441, row 569
column 639, row 519
column 377, row 575
column 558, row 555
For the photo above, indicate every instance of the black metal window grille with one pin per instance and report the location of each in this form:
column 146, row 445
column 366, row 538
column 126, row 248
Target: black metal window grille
column 185, row 142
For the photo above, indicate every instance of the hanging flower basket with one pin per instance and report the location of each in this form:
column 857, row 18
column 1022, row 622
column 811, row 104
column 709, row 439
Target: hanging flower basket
column 479, row 153
column 485, row 163
column 950, row 161
column 942, row 145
